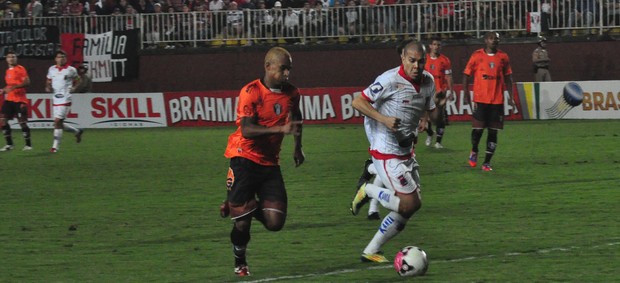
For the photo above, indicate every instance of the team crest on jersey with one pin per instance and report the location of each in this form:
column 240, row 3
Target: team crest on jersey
column 492, row 65
column 400, row 86
column 277, row 108
column 432, row 66
column 403, row 180
column 376, row 87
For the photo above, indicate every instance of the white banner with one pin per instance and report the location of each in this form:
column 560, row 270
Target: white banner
column 579, row 100
column 100, row 110
column 533, row 22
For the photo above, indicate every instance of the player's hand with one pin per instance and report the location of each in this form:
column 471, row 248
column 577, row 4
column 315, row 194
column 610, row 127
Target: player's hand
column 511, row 102
column 451, row 96
column 292, row 127
column 299, row 157
column 422, row 125
column 466, row 98
column 392, row 123
column 48, row 89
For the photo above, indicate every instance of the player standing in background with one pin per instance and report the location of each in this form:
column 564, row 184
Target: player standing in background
column 395, row 106
column 61, row 79
column 268, row 109
column 490, row 68
column 15, row 103
column 440, row 67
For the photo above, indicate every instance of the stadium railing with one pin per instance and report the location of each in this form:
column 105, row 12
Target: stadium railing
column 349, row 24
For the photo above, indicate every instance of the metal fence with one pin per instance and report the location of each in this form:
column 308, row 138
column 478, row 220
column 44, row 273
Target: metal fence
column 350, row 23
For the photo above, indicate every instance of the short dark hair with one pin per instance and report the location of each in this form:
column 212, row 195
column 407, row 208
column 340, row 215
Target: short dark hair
column 11, row 52
column 61, row 52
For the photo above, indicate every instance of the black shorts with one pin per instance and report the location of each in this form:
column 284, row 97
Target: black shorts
column 248, row 180
column 488, row 116
column 12, row 109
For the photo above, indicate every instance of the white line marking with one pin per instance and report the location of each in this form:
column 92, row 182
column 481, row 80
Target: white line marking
column 343, row 271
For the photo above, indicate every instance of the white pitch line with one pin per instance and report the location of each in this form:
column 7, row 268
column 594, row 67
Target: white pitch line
column 343, row 271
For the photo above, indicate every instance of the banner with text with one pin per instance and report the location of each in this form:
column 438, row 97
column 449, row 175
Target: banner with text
column 110, row 56
column 318, row 106
column 34, row 41
column 103, row 110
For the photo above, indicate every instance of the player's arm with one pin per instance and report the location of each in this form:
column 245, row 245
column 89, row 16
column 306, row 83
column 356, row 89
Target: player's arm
column 298, row 155
column 466, row 98
column 451, row 96
column 25, row 82
column 362, row 105
column 251, row 129
column 508, row 82
column 48, row 85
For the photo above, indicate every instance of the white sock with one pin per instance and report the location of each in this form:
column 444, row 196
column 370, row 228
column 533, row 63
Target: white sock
column 391, row 225
column 386, row 197
column 57, row 138
column 374, row 204
column 70, row 128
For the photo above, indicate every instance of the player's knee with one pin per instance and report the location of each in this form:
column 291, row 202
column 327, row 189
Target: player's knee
column 409, row 209
column 274, row 226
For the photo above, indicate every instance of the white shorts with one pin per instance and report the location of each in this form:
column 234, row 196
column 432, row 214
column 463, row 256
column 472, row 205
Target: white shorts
column 398, row 175
column 61, row 111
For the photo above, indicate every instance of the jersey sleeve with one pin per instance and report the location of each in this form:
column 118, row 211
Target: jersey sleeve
column 248, row 101
column 49, row 74
column 471, row 65
column 507, row 68
column 448, row 69
column 377, row 90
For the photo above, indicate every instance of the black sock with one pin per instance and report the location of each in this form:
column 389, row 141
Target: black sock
column 491, row 145
column 6, row 130
column 240, row 240
column 429, row 128
column 439, row 134
column 26, row 133
column 476, row 134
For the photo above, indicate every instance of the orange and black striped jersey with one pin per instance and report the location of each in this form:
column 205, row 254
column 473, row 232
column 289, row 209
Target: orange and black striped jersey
column 488, row 71
column 268, row 108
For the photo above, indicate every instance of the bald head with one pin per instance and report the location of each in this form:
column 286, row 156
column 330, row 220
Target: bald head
column 413, row 46
column 276, row 55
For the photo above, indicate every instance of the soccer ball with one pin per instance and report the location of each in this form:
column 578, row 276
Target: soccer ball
column 411, row 261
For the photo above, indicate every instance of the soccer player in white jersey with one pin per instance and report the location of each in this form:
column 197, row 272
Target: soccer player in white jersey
column 396, row 107
column 61, row 80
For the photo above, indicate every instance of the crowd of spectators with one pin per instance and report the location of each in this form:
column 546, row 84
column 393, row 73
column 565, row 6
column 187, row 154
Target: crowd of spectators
column 260, row 19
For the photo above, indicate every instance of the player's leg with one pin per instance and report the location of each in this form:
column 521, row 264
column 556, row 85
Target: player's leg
column 478, row 125
column 22, row 118
column 440, row 99
column 6, row 114
column 60, row 113
column 273, row 200
column 242, row 202
column 367, row 176
column 496, row 123
column 69, row 128
column 429, row 132
column 403, row 179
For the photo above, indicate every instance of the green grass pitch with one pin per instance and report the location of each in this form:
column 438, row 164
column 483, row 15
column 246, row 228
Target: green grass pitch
column 141, row 205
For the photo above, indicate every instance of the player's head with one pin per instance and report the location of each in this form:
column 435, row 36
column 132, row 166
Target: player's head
column 413, row 58
column 435, row 45
column 11, row 58
column 82, row 69
column 491, row 41
column 61, row 58
column 278, row 65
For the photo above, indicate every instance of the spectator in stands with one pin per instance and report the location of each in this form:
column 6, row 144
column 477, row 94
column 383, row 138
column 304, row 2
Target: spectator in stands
column 291, row 26
column 583, row 14
column 204, row 22
column 612, row 12
column 34, row 9
column 352, row 18
column 152, row 27
column 234, row 21
column 262, row 22
column 310, row 21
column 145, row 6
column 75, row 8
column 278, row 19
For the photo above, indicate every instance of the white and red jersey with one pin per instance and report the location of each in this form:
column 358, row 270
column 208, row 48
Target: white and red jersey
column 393, row 94
column 62, row 79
